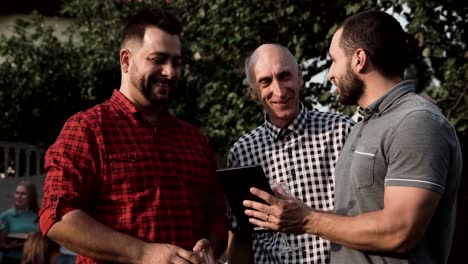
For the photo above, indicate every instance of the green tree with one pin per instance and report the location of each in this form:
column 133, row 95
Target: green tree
column 45, row 80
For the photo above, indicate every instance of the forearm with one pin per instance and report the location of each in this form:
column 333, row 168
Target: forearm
column 373, row 231
column 81, row 233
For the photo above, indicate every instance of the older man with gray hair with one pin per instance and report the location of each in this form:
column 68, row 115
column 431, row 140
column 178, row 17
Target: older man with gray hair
column 296, row 147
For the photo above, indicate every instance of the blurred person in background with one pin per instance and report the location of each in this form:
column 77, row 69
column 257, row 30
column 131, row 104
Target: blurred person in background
column 18, row 221
column 66, row 256
column 39, row 250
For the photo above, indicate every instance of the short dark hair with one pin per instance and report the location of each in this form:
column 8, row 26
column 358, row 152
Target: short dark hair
column 383, row 39
column 160, row 18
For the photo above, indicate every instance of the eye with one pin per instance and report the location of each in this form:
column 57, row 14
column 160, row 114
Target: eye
column 264, row 82
column 285, row 75
column 157, row 60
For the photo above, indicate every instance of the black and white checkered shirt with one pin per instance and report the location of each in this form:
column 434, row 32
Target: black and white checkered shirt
column 302, row 158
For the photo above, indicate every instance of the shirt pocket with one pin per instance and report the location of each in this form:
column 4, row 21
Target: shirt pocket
column 362, row 166
column 129, row 172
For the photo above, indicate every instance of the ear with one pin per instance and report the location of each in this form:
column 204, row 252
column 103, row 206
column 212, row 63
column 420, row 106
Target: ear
column 124, row 60
column 301, row 78
column 253, row 91
column 360, row 61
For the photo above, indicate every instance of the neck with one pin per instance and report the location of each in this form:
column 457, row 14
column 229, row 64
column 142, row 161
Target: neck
column 22, row 209
column 375, row 87
column 150, row 112
column 283, row 123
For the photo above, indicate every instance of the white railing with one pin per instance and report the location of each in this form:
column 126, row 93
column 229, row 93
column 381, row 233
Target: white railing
column 19, row 161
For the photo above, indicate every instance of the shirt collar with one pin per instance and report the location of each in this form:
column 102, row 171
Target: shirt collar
column 122, row 102
column 126, row 106
column 385, row 101
column 296, row 126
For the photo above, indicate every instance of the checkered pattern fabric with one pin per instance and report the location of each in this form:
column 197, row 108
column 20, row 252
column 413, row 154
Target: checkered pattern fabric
column 302, row 158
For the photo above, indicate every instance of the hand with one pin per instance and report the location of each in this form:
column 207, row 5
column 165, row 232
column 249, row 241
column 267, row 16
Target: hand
column 284, row 213
column 166, row 253
column 204, row 251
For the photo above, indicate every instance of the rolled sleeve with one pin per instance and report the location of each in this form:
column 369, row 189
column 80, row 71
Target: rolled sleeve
column 52, row 210
column 70, row 166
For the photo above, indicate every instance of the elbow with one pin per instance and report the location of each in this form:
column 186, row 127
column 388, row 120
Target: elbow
column 402, row 242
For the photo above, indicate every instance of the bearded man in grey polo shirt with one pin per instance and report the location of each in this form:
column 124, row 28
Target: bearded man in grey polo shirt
column 398, row 175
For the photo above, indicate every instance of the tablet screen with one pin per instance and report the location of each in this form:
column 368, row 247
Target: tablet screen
column 236, row 183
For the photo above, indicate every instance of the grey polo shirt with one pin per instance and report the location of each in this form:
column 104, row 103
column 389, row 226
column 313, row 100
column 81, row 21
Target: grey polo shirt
column 403, row 140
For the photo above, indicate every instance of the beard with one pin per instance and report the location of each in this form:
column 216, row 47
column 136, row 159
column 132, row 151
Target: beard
column 157, row 89
column 351, row 88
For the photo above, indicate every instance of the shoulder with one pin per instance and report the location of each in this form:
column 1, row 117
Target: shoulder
column 5, row 214
column 415, row 104
column 329, row 121
column 249, row 141
column 252, row 137
column 330, row 117
column 92, row 116
column 418, row 113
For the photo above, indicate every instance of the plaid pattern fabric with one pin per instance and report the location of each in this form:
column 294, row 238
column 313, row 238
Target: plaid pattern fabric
column 157, row 183
column 302, row 158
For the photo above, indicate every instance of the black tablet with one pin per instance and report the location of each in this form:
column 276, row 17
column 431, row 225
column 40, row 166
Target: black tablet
column 236, row 183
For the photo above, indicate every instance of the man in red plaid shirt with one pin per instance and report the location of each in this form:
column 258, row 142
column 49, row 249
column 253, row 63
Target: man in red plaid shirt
column 126, row 181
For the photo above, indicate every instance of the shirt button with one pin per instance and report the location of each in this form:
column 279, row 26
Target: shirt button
column 53, row 198
column 359, row 135
column 353, row 149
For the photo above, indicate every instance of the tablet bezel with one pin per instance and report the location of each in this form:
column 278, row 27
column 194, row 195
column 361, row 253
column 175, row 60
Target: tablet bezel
column 236, row 182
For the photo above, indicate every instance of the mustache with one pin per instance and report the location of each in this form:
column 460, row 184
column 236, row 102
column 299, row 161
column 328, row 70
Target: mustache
column 164, row 81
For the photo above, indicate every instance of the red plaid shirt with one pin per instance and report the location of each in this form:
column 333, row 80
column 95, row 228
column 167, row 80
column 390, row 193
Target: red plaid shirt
column 157, row 183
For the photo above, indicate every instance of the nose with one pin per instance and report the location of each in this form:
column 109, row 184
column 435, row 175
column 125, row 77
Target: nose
column 169, row 71
column 331, row 74
column 278, row 88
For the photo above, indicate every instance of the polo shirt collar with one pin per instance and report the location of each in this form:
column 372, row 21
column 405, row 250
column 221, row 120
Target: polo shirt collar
column 296, row 126
column 385, row 101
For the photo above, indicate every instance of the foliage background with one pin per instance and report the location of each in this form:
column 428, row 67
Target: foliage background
column 45, row 78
